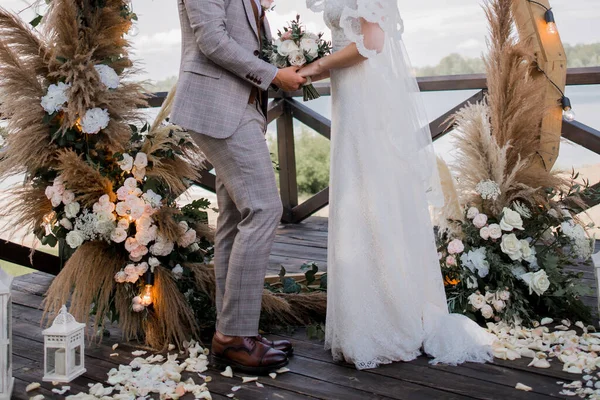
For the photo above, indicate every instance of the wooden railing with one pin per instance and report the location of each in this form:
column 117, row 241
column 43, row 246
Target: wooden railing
column 284, row 109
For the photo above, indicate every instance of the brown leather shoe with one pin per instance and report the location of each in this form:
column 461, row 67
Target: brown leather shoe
column 281, row 345
column 246, row 354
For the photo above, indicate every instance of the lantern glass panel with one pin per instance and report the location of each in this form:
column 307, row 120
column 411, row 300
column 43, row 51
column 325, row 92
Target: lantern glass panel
column 56, row 361
column 77, row 356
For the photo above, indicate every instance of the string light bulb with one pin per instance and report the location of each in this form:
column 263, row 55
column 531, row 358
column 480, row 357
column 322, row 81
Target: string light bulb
column 568, row 113
column 134, row 30
column 147, row 292
column 550, row 23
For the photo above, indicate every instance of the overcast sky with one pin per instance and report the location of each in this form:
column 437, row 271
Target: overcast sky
column 433, row 28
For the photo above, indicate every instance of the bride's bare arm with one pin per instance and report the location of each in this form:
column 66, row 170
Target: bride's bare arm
column 374, row 39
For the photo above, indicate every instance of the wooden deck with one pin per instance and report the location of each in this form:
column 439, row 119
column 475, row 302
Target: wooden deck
column 313, row 373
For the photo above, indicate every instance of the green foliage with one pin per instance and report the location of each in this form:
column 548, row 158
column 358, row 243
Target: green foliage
column 312, row 161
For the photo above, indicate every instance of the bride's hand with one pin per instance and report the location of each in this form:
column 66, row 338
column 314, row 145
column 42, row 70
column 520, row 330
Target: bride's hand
column 311, row 70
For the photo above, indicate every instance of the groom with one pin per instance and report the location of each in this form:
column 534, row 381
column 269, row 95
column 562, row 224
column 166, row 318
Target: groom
column 220, row 100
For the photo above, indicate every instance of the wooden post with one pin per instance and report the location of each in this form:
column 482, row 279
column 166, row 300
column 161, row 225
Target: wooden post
column 286, row 148
column 551, row 58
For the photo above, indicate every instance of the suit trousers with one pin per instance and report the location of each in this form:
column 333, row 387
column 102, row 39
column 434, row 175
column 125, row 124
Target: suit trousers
column 249, row 212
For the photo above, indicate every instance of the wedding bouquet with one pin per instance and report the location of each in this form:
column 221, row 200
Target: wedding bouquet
column 297, row 47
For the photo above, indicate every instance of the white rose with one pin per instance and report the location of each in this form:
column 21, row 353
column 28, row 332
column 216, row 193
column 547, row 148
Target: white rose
column 141, row 268
column 108, row 76
column 504, row 295
column 480, row 220
column 55, row 98
column 538, row 282
column 120, row 277
column 297, row 58
column 187, row 239
column 122, row 193
column 476, row 300
column 287, row 47
column 130, row 269
column 131, row 244
column 56, row 199
column 137, row 211
column 139, row 252
column 487, row 311
column 118, row 235
column 153, row 262
column 104, row 199
column 141, row 160
column 472, row 212
column 130, row 183
column 498, row 305
column 511, row 220
column 65, row 223
column 177, row 271
column 94, row 121
column 72, row 209
column 511, row 246
column 123, row 224
column 137, row 308
column 484, row 233
column 456, row 246
column 126, row 163
column 136, row 300
column 49, row 192
column 138, row 173
column 68, row 197
column 75, row 239
column 495, row 231
column 310, row 46
column 527, row 250
column 133, row 278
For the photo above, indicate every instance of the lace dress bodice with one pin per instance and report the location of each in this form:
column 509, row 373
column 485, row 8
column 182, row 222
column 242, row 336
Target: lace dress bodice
column 343, row 18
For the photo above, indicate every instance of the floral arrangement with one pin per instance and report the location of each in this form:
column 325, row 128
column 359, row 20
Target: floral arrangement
column 104, row 184
column 509, row 229
column 510, row 266
column 297, row 47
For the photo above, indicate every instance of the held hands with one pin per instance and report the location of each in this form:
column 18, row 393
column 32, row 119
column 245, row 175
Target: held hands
column 288, row 79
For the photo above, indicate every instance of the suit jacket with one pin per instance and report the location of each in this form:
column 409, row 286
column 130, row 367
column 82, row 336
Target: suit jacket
column 220, row 62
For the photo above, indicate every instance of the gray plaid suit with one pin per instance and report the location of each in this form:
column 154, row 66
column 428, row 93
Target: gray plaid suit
column 220, row 63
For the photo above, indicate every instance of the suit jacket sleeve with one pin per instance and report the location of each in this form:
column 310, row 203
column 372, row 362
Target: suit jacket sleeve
column 207, row 19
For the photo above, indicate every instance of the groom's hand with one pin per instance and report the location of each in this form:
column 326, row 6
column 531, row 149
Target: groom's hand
column 288, row 79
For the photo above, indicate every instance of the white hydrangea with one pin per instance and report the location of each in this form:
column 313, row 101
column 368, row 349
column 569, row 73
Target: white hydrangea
column 55, row 98
column 108, row 76
column 95, row 120
column 582, row 244
column 488, row 189
column 475, row 261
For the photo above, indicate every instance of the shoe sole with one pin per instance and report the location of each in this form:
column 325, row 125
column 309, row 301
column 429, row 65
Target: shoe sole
column 221, row 363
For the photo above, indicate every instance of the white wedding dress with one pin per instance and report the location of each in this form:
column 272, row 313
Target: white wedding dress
column 386, row 299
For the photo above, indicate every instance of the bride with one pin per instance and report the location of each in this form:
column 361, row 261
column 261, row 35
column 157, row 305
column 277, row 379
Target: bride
column 386, row 298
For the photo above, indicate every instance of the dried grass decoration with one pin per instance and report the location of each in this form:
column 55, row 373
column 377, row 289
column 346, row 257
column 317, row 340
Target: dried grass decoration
column 101, row 184
column 503, row 254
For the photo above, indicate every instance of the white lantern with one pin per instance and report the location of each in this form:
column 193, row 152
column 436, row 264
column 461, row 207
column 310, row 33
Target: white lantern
column 596, row 260
column 64, row 348
column 6, row 378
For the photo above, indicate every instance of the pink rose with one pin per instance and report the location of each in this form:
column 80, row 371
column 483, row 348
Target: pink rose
column 286, row 36
column 480, row 220
column 456, row 246
column 451, row 261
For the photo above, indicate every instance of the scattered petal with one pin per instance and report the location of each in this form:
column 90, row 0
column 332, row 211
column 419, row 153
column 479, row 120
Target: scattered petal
column 138, row 353
column 539, row 363
column 282, row 370
column 228, row 373
column 235, row 388
column 567, row 393
column 171, row 347
column 260, row 385
column 273, row 375
column 524, row 388
column 114, row 354
column 32, row 386
column 114, row 346
column 247, row 379
column 38, row 397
